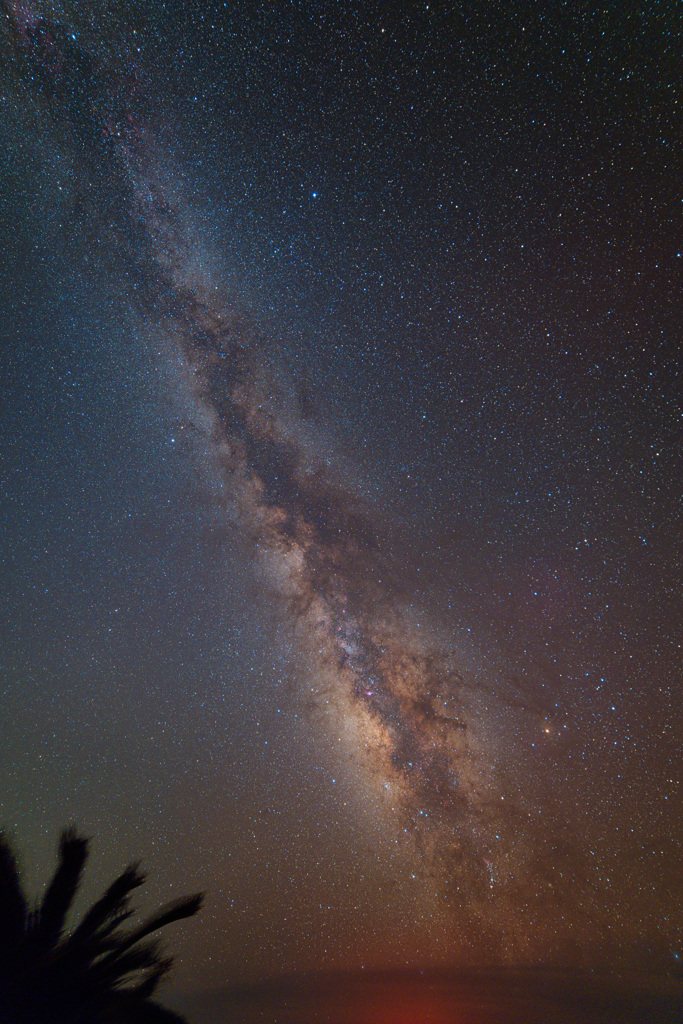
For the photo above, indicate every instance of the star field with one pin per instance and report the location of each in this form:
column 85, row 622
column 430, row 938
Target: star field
column 341, row 473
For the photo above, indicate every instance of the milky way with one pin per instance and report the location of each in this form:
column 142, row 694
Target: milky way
column 404, row 710
column 414, row 718
column 407, row 713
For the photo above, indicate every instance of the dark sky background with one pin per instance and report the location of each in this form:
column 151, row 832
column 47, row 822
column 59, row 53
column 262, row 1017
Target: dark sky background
column 341, row 473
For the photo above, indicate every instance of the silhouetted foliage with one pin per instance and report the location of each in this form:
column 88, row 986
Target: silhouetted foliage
column 100, row 973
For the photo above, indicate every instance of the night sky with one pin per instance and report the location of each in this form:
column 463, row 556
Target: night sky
column 341, row 473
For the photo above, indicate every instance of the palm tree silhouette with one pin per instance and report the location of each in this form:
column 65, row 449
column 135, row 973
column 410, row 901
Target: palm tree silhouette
column 98, row 973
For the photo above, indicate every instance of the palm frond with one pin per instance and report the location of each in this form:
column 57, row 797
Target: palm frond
column 115, row 970
column 111, row 907
column 87, row 950
column 13, row 906
column 106, row 932
column 51, row 915
column 98, row 970
column 148, row 985
column 178, row 910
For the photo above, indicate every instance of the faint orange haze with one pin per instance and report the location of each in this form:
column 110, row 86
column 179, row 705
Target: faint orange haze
column 440, row 997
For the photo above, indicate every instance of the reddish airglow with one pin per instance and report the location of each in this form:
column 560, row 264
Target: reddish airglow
column 403, row 1002
column 404, row 1008
column 424, row 997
